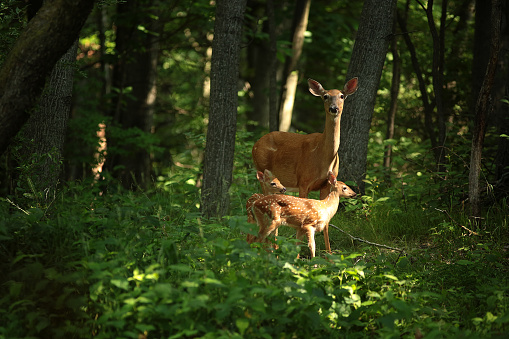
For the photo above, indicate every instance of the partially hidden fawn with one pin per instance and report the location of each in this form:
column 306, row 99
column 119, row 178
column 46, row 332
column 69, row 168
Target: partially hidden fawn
column 270, row 185
column 307, row 216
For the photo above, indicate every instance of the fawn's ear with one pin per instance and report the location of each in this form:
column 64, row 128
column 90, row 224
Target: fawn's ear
column 259, row 176
column 332, row 178
column 268, row 174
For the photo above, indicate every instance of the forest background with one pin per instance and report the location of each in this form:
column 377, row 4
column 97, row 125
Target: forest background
column 116, row 117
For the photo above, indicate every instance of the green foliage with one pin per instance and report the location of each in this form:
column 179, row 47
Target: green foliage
column 127, row 265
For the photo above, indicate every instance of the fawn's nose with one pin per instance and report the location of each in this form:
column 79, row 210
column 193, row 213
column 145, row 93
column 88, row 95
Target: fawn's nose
column 333, row 109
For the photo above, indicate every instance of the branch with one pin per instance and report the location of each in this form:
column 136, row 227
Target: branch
column 470, row 232
column 367, row 242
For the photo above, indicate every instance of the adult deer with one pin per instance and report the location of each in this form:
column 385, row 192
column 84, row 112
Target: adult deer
column 307, row 216
column 301, row 162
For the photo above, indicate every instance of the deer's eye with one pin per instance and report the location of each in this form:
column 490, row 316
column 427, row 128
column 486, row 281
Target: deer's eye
column 273, row 184
column 342, row 96
column 326, row 97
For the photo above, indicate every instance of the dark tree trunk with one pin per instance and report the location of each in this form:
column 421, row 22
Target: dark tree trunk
column 291, row 73
column 43, row 42
column 220, row 143
column 438, row 38
column 135, row 70
column 482, row 108
column 42, row 137
column 368, row 57
column 259, row 69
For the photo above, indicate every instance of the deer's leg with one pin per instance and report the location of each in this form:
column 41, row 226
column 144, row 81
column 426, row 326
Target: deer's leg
column 309, row 232
column 275, row 209
column 310, row 235
column 326, row 238
column 267, row 223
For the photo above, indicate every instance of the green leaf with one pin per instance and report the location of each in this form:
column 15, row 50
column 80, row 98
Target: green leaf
column 242, row 325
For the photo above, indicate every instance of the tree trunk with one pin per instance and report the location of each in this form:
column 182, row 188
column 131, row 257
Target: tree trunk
column 220, row 143
column 368, row 57
column 43, row 135
column 134, row 76
column 438, row 38
column 391, row 114
column 291, row 73
column 483, row 106
column 43, row 42
column 258, row 57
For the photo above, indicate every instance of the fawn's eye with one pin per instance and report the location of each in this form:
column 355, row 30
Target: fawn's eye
column 325, row 97
column 342, row 96
column 273, row 184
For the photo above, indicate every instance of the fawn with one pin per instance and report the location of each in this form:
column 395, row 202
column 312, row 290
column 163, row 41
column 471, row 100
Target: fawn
column 270, row 185
column 307, row 216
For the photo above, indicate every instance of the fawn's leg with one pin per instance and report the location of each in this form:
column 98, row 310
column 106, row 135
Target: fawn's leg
column 267, row 223
column 309, row 232
column 310, row 235
column 326, row 238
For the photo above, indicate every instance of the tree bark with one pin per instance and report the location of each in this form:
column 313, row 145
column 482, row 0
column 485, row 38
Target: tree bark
column 483, row 106
column 368, row 57
column 43, row 42
column 291, row 73
column 220, row 143
column 43, row 135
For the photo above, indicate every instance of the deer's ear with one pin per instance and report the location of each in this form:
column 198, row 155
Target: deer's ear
column 332, row 178
column 351, row 86
column 259, row 176
column 315, row 88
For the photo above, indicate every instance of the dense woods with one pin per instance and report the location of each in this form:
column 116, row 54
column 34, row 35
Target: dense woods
column 126, row 132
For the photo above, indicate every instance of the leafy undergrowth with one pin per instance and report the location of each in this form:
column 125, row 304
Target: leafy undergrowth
column 134, row 266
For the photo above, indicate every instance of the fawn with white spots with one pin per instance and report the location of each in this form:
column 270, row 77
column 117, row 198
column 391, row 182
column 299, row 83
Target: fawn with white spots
column 307, row 216
column 270, row 185
column 301, row 162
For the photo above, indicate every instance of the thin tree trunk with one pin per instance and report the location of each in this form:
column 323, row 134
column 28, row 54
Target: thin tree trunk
column 438, row 74
column 427, row 104
column 220, row 143
column 482, row 108
column 396, row 80
column 273, row 111
column 291, row 73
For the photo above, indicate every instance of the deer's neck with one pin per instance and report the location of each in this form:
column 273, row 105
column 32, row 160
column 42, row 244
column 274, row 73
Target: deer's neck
column 331, row 135
column 330, row 204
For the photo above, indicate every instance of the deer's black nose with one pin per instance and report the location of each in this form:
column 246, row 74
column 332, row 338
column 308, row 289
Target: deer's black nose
column 333, row 109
